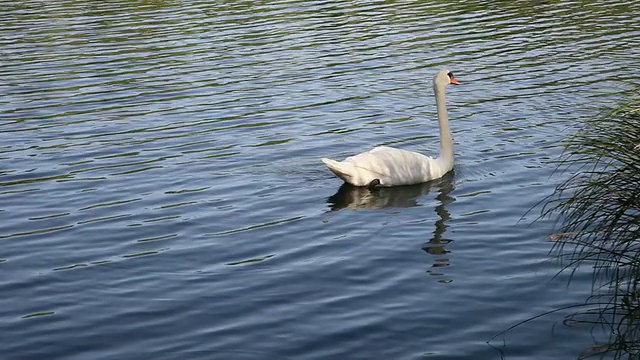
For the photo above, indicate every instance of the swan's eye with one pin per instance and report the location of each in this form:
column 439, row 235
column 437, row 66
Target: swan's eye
column 450, row 74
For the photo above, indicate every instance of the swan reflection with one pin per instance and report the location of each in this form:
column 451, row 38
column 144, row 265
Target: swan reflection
column 357, row 198
column 436, row 246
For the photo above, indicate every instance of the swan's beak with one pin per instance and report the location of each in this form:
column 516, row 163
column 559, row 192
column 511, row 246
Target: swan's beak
column 454, row 81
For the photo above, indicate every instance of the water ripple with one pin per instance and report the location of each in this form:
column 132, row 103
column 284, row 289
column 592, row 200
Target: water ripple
column 197, row 127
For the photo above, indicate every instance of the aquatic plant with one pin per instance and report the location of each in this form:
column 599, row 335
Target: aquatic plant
column 599, row 212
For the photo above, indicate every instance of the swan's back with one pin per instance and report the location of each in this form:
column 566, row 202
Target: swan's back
column 389, row 165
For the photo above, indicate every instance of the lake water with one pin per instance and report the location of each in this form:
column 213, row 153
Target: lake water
column 161, row 193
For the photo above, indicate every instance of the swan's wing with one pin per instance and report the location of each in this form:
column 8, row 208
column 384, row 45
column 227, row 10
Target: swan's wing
column 383, row 148
column 392, row 166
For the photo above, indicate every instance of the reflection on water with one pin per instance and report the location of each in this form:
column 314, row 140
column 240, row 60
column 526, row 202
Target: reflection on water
column 360, row 198
column 436, row 246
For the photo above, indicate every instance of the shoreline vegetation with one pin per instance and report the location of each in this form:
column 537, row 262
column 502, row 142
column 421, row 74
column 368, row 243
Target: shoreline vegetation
column 598, row 212
column 598, row 209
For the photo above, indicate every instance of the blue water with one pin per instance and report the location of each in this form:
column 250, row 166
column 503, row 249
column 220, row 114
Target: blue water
column 161, row 193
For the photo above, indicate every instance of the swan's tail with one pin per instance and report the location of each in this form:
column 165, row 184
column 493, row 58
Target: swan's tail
column 339, row 168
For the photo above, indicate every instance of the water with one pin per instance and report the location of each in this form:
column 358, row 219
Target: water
column 161, row 193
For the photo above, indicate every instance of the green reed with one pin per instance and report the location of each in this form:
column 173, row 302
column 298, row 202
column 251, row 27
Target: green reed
column 599, row 212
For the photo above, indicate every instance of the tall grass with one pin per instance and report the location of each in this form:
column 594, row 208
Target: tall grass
column 599, row 212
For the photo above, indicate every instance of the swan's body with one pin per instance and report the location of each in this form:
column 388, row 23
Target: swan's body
column 387, row 166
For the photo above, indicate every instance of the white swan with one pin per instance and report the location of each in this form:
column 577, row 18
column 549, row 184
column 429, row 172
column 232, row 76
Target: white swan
column 387, row 166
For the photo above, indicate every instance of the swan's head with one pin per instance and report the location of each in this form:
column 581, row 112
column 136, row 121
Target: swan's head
column 443, row 78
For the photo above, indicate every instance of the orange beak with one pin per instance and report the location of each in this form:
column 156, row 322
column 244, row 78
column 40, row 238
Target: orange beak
column 454, row 81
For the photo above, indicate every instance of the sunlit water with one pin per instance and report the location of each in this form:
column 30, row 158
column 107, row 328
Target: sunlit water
column 161, row 193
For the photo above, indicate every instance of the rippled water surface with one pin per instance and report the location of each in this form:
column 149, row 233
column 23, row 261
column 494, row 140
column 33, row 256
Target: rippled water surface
column 161, row 193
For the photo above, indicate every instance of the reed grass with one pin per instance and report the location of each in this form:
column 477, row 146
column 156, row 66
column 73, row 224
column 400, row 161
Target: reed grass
column 599, row 212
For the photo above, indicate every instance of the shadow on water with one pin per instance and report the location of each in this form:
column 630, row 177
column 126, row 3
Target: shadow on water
column 357, row 198
column 599, row 210
column 360, row 198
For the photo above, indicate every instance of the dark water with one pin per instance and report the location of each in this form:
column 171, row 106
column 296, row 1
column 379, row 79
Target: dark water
column 161, row 194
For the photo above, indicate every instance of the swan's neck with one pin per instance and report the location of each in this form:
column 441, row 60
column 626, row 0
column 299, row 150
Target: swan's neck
column 446, row 142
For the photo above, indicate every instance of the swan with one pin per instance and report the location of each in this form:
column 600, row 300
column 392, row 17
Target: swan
column 386, row 166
